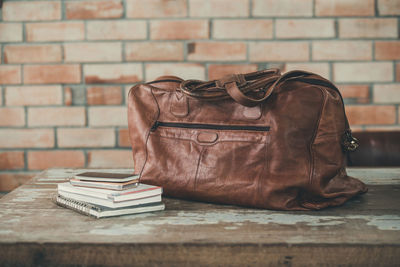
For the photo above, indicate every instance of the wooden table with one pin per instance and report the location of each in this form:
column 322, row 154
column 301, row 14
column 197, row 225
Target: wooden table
column 363, row 232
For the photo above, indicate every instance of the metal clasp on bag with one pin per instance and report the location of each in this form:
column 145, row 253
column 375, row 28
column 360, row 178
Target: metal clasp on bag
column 349, row 143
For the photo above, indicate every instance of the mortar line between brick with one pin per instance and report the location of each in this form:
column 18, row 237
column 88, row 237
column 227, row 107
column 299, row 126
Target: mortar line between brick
column 187, row 8
column 313, row 15
column 148, row 25
column 2, row 54
column 250, row 9
column 26, row 150
column 23, row 32
column 55, row 132
column 3, row 95
column 63, row 11
column 123, row 9
column 373, row 51
column 144, row 74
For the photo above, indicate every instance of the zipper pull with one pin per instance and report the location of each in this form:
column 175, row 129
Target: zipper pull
column 155, row 126
column 349, row 143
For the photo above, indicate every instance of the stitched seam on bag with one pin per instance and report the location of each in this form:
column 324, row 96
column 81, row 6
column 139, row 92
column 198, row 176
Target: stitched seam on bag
column 149, row 130
column 197, row 168
column 312, row 152
column 260, row 184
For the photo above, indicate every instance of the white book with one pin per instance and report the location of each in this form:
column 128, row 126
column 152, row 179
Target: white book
column 99, row 211
column 141, row 191
column 108, row 202
column 106, row 177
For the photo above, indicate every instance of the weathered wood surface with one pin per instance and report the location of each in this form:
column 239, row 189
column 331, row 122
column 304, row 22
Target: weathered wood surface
column 363, row 232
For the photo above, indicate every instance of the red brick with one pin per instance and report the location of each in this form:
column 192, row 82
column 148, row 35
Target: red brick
column 40, row 74
column 388, row 7
column 154, row 51
column 32, row 53
column 355, row 91
column 10, row 32
column 1, row 96
column 368, row 28
column 12, row 160
column 108, row 116
column 85, row 137
column 304, row 28
column 10, row 74
column 68, row 96
column 359, row 115
column 243, row 29
column 318, row 68
column 123, row 138
column 279, row 51
column 183, row 70
column 155, row 8
column 179, row 29
column 93, row 9
column 217, row 51
column 282, row 8
column 363, row 72
column 342, row 50
column 92, row 52
column 387, row 50
column 23, row 138
column 113, row 73
column 31, row 10
column 55, row 31
column 41, row 160
column 33, row 95
column 116, row 30
column 387, row 93
column 108, row 95
column 110, row 159
column 219, row 8
column 218, row 71
column 12, row 117
column 345, row 8
column 58, row 116
column 10, row 181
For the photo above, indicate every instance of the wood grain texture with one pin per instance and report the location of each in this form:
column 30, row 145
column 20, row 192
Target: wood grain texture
column 363, row 232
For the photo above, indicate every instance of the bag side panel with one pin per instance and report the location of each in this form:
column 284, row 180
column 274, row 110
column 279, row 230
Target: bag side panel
column 142, row 113
column 294, row 111
column 329, row 183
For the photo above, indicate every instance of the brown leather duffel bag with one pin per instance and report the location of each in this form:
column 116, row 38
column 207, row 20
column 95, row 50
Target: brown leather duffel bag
column 260, row 139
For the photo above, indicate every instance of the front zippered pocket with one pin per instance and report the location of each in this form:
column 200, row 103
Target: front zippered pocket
column 209, row 126
column 201, row 157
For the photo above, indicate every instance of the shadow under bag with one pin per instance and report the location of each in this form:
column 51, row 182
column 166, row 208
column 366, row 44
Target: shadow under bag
column 260, row 139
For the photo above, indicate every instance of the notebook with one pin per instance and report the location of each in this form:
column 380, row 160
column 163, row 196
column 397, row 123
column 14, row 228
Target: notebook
column 108, row 202
column 99, row 211
column 141, row 191
column 106, row 177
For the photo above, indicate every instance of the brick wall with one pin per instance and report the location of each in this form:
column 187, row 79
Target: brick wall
column 66, row 66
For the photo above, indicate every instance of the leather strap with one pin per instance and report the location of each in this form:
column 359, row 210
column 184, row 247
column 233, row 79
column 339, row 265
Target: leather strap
column 233, row 86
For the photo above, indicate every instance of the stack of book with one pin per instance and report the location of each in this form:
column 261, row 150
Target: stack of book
column 108, row 194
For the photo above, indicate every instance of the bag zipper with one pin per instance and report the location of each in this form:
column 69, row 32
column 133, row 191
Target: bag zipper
column 209, row 126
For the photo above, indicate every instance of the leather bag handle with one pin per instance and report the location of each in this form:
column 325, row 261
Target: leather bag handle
column 234, row 86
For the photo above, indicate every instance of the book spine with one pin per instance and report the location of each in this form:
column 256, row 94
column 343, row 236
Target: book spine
column 78, row 206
